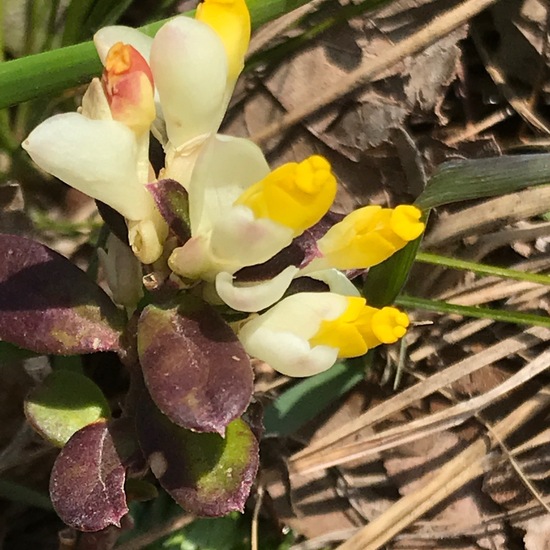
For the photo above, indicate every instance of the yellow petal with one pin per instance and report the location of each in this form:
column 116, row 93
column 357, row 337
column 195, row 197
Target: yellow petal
column 230, row 20
column 294, row 195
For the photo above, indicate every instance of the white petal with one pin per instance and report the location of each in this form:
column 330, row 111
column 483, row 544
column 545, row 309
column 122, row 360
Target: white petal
column 189, row 67
column 238, row 239
column 107, row 37
column 97, row 157
column 286, row 352
column 302, row 313
column 224, row 169
column 336, row 281
column 253, row 297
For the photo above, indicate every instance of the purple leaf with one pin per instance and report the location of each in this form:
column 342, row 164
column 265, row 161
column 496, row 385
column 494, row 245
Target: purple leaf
column 173, row 203
column 49, row 305
column 194, row 367
column 205, row 474
column 87, row 480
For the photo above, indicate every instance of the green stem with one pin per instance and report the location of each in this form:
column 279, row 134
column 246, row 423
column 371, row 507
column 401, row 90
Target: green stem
column 482, row 269
column 51, row 72
column 411, row 302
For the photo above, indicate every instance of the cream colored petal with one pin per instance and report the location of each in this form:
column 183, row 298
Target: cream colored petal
column 302, row 313
column 189, row 67
column 94, row 102
column 97, row 157
column 253, row 297
column 336, row 281
column 224, row 169
column 239, row 240
column 107, row 37
column 286, row 352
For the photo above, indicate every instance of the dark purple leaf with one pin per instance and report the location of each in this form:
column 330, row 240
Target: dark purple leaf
column 49, row 305
column 205, row 474
column 87, row 480
column 196, row 370
column 173, row 203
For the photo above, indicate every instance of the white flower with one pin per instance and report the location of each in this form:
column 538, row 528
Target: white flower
column 304, row 334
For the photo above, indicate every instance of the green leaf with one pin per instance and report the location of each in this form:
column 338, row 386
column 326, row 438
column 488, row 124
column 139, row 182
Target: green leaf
column 385, row 281
column 64, row 403
column 205, row 473
column 477, row 312
column 306, row 399
column 479, row 178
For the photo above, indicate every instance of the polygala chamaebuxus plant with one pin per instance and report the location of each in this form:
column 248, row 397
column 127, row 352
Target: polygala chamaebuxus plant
column 214, row 227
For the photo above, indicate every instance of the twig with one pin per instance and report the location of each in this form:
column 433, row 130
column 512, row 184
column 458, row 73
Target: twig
column 255, row 515
column 473, row 130
column 428, row 35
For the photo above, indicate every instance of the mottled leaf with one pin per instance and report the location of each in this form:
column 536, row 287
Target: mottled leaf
column 196, row 370
column 87, row 480
column 48, row 305
column 206, row 474
column 173, row 203
column 63, row 404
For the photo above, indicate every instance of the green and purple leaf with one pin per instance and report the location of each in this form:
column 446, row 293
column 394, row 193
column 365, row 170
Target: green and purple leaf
column 194, row 367
column 63, row 404
column 205, row 474
column 173, row 203
column 87, row 480
column 48, row 305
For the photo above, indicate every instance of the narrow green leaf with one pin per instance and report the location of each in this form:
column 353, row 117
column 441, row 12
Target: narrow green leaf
column 306, row 399
column 385, row 281
column 75, row 16
column 51, row 72
column 482, row 269
column 479, row 178
column 411, row 302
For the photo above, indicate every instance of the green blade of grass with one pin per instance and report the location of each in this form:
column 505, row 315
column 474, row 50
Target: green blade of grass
column 518, row 318
column 52, row 72
column 482, row 269
column 481, row 178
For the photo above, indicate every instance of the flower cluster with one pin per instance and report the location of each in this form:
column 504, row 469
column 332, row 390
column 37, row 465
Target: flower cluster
column 255, row 234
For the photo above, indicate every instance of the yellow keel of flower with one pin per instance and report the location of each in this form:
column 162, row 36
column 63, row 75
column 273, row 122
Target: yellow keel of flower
column 360, row 328
column 230, row 19
column 294, row 195
column 369, row 236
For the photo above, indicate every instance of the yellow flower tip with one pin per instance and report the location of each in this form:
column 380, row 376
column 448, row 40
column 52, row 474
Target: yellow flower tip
column 118, row 59
column 293, row 195
column 344, row 333
column 389, row 325
column 405, row 222
column 230, row 19
column 128, row 84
